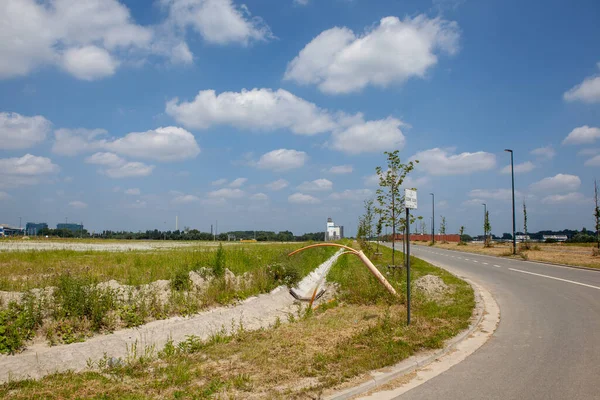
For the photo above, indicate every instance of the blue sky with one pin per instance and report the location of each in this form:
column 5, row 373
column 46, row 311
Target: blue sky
column 274, row 114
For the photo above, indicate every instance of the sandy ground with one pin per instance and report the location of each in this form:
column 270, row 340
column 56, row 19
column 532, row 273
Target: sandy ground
column 254, row 313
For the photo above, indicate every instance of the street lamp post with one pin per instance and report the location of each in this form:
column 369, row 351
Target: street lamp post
column 512, row 172
column 432, row 218
column 484, row 224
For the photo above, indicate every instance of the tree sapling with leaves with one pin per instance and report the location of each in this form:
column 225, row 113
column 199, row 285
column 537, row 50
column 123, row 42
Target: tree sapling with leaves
column 389, row 197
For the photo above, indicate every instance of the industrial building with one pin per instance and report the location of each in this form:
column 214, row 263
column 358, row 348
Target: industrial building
column 7, row 230
column 34, row 228
column 75, row 228
column 333, row 232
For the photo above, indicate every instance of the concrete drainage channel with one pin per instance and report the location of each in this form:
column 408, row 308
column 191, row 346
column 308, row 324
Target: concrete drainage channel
column 485, row 319
column 254, row 313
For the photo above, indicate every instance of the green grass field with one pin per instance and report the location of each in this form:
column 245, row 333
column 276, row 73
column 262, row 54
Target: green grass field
column 364, row 328
column 77, row 307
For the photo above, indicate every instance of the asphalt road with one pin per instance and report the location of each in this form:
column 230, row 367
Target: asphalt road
column 547, row 345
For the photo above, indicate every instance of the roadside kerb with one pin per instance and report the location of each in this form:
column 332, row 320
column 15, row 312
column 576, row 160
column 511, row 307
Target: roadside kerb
column 381, row 377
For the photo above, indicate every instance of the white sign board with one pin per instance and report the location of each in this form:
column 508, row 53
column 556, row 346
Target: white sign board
column 410, row 198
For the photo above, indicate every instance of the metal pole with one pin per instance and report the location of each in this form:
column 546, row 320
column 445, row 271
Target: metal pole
column 432, row 218
column 407, row 269
column 512, row 172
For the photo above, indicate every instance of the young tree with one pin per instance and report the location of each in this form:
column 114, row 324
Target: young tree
column 365, row 227
column 597, row 214
column 443, row 229
column 389, row 197
column 487, row 228
column 462, row 232
column 379, row 228
column 525, row 224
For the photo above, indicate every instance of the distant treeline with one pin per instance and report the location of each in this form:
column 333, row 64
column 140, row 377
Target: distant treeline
column 188, row 234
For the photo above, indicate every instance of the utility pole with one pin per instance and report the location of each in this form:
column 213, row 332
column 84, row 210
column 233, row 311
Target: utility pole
column 512, row 172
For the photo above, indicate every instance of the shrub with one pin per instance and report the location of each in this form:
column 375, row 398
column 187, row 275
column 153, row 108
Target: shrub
column 18, row 323
column 81, row 298
column 219, row 262
column 181, row 280
column 286, row 274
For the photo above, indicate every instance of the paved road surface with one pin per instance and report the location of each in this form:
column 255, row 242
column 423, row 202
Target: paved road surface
column 547, row 345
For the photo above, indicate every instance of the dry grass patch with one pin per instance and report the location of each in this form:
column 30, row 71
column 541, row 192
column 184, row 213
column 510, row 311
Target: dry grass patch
column 559, row 253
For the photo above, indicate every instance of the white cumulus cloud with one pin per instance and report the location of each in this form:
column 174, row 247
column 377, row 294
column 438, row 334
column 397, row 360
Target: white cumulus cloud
column 340, row 61
column 227, row 193
column 161, row 144
column 219, row 21
column 441, row 162
column 82, row 36
column 587, row 91
column 557, row 184
column 259, row 197
column 117, row 167
column 69, row 142
column 131, row 169
column 282, row 160
column 369, row 137
column 546, row 152
column 318, row 185
column 301, row 198
column 89, row 63
column 593, row 162
column 572, row 198
column 522, row 168
column 26, row 170
column 239, row 182
column 185, row 199
column 20, row 132
column 219, row 182
column 256, row 109
column 277, row 185
column 341, row 169
column 582, row 135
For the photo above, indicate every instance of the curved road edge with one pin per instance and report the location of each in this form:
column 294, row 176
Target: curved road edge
column 424, row 366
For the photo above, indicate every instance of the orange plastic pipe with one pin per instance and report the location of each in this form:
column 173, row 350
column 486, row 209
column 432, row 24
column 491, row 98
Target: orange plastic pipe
column 360, row 255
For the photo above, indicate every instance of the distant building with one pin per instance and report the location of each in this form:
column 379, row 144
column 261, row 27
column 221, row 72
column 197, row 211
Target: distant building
column 75, row 228
column 333, row 231
column 522, row 238
column 34, row 228
column 7, row 230
column 558, row 238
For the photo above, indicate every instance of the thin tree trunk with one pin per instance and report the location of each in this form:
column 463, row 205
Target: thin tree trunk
column 393, row 231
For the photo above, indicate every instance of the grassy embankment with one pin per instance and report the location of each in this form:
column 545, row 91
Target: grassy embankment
column 76, row 306
column 363, row 329
column 584, row 254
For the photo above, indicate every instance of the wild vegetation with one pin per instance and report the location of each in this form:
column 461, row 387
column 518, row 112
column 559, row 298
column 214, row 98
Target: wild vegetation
column 363, row 328
column 68, row 296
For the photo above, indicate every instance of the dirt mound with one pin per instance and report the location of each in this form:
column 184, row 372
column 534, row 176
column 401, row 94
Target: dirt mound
column 432, row 286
